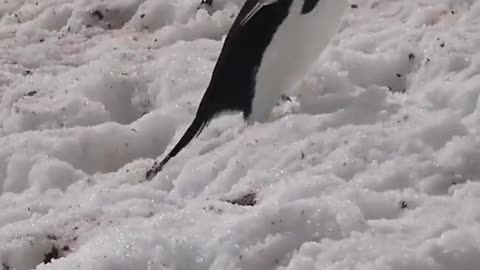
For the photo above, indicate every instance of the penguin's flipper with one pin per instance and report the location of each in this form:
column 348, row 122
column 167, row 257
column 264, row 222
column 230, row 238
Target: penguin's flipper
column 259, row 5
column 192, row 131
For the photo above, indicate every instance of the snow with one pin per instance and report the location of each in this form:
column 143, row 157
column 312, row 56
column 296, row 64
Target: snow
column 373, row 164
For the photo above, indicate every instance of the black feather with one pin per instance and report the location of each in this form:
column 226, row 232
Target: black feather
column 309, row 5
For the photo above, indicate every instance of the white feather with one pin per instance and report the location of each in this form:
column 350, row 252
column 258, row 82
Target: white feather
column 296, row 45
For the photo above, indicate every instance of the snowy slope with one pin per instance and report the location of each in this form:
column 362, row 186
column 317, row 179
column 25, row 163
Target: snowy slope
column 373, row 164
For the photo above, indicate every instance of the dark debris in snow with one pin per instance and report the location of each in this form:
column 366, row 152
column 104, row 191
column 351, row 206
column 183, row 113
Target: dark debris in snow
column 249, row 199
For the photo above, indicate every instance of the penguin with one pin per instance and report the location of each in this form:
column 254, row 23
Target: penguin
column 268, row 48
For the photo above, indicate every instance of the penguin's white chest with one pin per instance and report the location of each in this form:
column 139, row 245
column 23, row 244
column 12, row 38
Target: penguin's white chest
column 298, row 42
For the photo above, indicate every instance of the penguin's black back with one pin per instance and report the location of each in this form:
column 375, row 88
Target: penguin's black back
column 232, row 84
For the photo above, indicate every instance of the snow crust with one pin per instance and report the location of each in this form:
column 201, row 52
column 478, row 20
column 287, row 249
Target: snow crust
column 373, row 164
